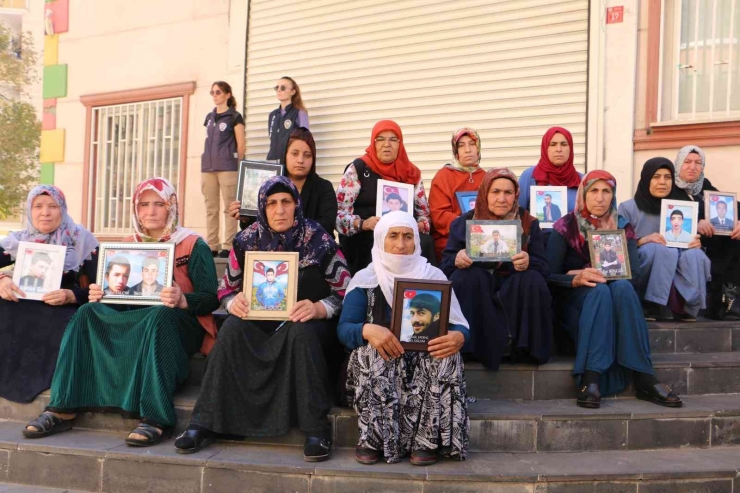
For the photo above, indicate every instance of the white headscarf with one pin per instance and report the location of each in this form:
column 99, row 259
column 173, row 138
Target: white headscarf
column 386, row 267
column 693, row 188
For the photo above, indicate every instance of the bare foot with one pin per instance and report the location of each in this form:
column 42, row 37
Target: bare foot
column 65, row 417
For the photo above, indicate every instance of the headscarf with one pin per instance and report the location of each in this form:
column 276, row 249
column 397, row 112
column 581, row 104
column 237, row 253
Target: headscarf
column 693, row 188
column 546, row 173
column 173, row 233
column 643, row 198
column 79, row 241
column 456, row 136
column 401, row 170
column 481, row 202
column 387, row 267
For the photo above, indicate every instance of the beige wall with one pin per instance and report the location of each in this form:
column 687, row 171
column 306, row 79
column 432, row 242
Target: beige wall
column 119, row 45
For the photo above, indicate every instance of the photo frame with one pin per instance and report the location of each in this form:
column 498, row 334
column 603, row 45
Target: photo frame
column 723, row 225
column 252, row 174
column 38, row 268
column 548, row 201
column 270, row 284
column 609, row 254
column 135, row 273
column 686, row 215
column 393, row 196
column 414, row 305
column 492, row 241
column 466, row 200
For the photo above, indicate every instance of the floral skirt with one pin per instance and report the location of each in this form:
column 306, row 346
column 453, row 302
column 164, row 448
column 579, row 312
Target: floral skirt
column 410, row 403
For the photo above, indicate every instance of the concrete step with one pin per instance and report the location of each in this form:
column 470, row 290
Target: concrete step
column 99, row 461
column 694, row 337
column 19, row 488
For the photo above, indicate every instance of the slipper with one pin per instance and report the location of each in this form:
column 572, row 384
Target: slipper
column 153, row 434
column 46, row 425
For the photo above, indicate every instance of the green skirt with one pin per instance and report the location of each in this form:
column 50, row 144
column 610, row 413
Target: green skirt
column 126, row 359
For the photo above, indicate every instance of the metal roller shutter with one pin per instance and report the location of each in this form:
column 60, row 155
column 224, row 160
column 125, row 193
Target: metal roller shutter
column 508, row 68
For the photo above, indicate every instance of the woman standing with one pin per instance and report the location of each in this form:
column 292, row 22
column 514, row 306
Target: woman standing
column 224, row 149
column 405, row 402
column 281, row 121
column 604, row 318
column 128, row 358
column 506, row 303
column 31, row 331
column 385, row 158
column 463, row 175
column 261, row 373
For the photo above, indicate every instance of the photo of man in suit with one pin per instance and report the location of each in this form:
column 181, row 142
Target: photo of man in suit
column 148, row 285
column 721, row 222
column 551, row 211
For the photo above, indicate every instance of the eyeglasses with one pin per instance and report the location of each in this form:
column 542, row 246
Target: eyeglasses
column 392, row 140
column 217, row 92
column 280, row 88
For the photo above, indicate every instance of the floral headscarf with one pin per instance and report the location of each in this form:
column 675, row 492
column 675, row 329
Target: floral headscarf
column 79, row 241
column 172, row 231
column 456, row 136
column 693, row 188
column 402, row 169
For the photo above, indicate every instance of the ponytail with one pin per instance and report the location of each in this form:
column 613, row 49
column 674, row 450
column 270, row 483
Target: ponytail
column 226, row 88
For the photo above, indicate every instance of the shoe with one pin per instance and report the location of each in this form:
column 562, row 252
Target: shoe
column 316, row 449
column 660, row 394
column 683, row 317
column 214, row 253
column 424, row 457
column 224, row 253
column 194, row 440
column 367, row 456
column 589, row 397
column 651, row 313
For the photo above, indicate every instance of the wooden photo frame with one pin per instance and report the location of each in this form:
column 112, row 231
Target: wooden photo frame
column 252, row 174
column 38, row 269
column 723, row 225
column 466, row 200
column 135, row 273
column 686, row 213
column 493, row 241
column 538, row 201
column 394, row 196
column 611, row 244
column 414, row 303
column 270, row 284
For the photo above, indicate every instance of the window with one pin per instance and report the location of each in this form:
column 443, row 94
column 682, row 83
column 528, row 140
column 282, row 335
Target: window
column 700, row 60
column 128, row 144
column 13, row 4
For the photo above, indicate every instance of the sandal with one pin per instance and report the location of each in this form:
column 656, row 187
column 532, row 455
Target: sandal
column 153, row 434
column 47, row 424
column 194, row 440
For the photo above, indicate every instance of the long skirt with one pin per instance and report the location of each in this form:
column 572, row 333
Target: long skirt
column 259, row 381
column 662, row 267
column 30, row 335
column 125, row 359
column 410, row 403
column 611, row 336
column 499, row 309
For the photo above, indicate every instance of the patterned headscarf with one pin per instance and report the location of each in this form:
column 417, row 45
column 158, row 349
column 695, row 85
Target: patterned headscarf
column 402, row 169
column 80, row 242
column 456, row 136
column 693, row 188
column 172, row 232
column 546, row 173
column 482, row 211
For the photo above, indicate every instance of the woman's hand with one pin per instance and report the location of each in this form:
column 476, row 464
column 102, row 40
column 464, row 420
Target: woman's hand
column 382, row 340
column 521, row 261
column 239, row 307
column 59, row 297
column 446, row 345
column 173, row 297
column 696, row 242
column 705, row 228
column 462, row 261
column 420, row 225
column 8, row 290
column 95, row 293
column 369, row 223
column 589, row 278
column 652, row 238
column 306, row 310
column 735, row 235
column 234, row 209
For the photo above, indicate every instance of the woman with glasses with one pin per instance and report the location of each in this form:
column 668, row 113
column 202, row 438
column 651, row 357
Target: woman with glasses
column 385, row 158
column 224, row 148
column 291, row 113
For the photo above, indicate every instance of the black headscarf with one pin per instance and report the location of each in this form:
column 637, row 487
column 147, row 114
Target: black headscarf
column 645, row 201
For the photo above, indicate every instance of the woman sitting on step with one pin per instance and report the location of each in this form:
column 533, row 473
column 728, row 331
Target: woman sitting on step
column 132, row 359
column 31, row 331
column 406, row 402
column 604, row 318
column 262, row 373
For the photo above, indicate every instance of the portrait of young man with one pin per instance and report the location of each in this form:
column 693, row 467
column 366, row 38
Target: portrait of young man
column 677, row 233
column 610, row 264
column 33, row 282
column 551, row 211
column 424, row 316
column 148, row 285
column 495, row 246
column 116, row 275
column 721, row 221
column 270, row 293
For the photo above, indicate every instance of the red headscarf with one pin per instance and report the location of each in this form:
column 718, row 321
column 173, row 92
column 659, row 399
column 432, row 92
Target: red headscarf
column 401, row 170
column 546, row 173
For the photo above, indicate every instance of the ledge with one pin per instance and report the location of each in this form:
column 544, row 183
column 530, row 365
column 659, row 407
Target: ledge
column 138, row 95
column 678, row 135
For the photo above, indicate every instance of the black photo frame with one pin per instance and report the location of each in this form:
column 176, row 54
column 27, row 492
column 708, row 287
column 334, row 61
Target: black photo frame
column 252, row 174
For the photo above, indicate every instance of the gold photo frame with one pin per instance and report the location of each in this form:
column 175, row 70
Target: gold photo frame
column 270, row 284
column 614, row 244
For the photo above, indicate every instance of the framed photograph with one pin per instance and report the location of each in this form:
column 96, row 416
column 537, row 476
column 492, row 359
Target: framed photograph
column 466, row 200
column 609, row 253
column 493, row 241
column 678, row 221
column 548, row 204
column 394, row 196
column 270, row 284
column 720, row 209
column 38, row 268
column 421, row 311
column 135, row 273
column 252, row 174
